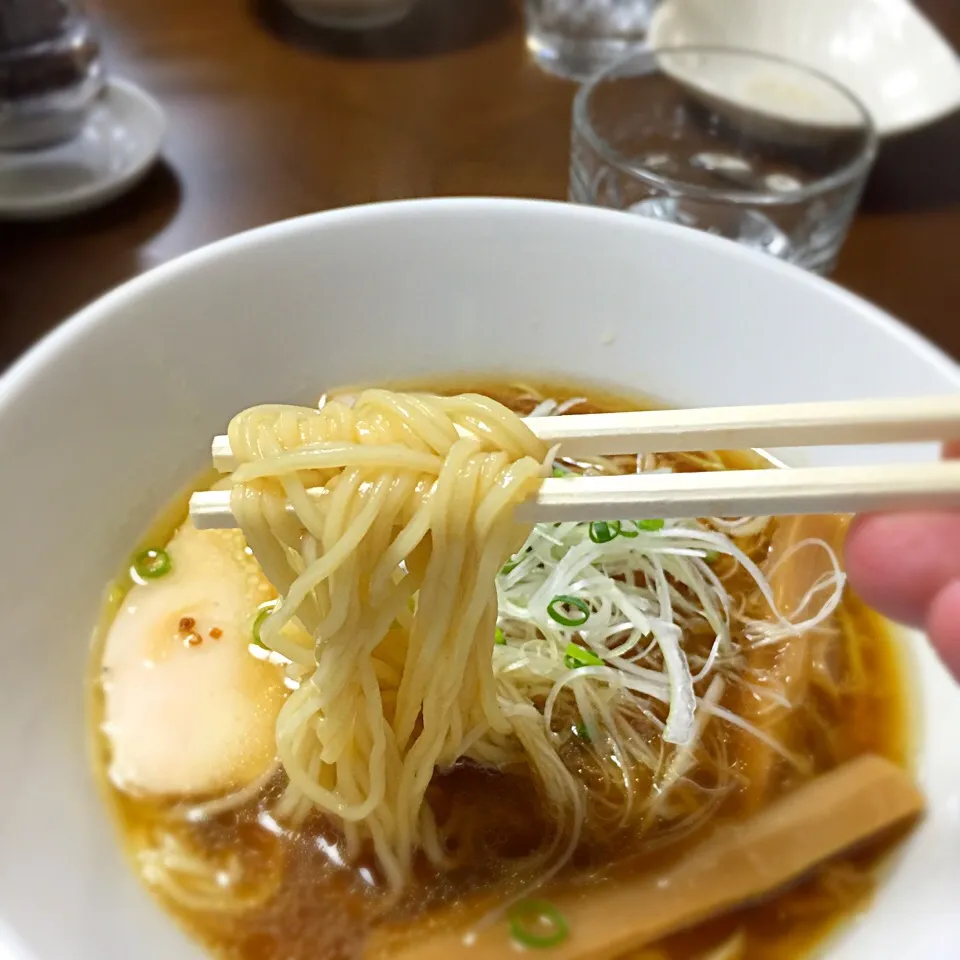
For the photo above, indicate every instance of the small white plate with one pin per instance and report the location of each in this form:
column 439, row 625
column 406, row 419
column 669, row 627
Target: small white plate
column 118, row 145
column 884, row 51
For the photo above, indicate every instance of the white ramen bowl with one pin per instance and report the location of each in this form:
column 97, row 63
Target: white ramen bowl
column 884, row 51
column 112, row 414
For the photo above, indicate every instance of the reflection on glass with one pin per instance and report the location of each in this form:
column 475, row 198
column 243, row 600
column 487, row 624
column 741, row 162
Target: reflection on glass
column 50, row 72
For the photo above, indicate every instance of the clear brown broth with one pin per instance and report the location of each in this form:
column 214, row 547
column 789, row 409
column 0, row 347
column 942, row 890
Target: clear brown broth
column 324, row 911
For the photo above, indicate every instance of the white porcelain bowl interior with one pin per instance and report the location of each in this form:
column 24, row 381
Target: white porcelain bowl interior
column 884, row 51
column 112, row 414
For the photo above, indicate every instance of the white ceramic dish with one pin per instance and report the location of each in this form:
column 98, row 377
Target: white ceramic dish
column 110, row 415
column 884, row 51
column 765, row 94
column 118, row 144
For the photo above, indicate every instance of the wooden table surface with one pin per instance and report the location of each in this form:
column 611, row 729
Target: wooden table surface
column 270, row 120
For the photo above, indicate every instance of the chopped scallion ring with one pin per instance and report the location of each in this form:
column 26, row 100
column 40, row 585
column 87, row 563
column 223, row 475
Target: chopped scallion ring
column 537, row 924
column 649, row 525
column 581, row 732
column 576, row 656
column 559, row 606
column 498, row 638
column 513, row 562
column 263, row 611
column 603, row 531
column 152, row 564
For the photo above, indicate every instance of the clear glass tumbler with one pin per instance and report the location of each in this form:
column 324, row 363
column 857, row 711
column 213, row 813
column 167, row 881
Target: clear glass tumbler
column 750, row 147
column 50, row 72
column 577, row 38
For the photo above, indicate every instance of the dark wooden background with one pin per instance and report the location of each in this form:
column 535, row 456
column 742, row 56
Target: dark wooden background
column 269, row 120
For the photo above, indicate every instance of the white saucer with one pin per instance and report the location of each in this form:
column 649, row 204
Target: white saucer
column 118, row 145
column 885, row 51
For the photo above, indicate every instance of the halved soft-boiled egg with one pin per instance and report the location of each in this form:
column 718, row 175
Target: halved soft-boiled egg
column 190, row 710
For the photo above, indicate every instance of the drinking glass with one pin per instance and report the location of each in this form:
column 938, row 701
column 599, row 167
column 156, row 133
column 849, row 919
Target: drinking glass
column 576, row 38
column 750, row 147
column 50, row 72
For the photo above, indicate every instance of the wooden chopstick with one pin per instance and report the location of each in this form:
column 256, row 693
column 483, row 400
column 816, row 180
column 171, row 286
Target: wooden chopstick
column 721, row 493
column 908, row 420
column 746, row 493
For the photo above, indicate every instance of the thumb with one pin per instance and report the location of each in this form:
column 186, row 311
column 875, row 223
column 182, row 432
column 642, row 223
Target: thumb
column 943, row 625
column 900, row 562
column 907, row 566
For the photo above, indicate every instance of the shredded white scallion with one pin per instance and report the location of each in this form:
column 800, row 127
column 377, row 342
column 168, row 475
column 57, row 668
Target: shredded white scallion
column 646, row 588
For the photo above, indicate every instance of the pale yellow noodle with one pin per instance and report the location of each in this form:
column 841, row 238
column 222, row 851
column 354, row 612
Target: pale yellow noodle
column 359, row 514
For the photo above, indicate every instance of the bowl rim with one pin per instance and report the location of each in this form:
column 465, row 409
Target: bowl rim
column 61, row 338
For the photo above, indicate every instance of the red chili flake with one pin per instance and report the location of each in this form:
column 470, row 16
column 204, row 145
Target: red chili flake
column 194, row 640
column 216, row 633
column 187, row 624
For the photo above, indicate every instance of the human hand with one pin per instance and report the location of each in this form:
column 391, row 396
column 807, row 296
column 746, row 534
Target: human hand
column 907, row 566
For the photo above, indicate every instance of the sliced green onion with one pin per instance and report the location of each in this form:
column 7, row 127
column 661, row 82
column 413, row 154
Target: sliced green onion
column 152, row 564
column 576, row 656
column 537, row 924
column 649, row 524
column 560, row 472
column 628, row 533
column 581, row 732
column 711, row 556
column 512, row 563
column 499, row 638
column 556, row 608
column 603, row 531
column 263, row 611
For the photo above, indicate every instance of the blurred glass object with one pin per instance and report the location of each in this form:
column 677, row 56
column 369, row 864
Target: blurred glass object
column 746, row 146
column 50, row 73
column 351, row 14
column 577, row 38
